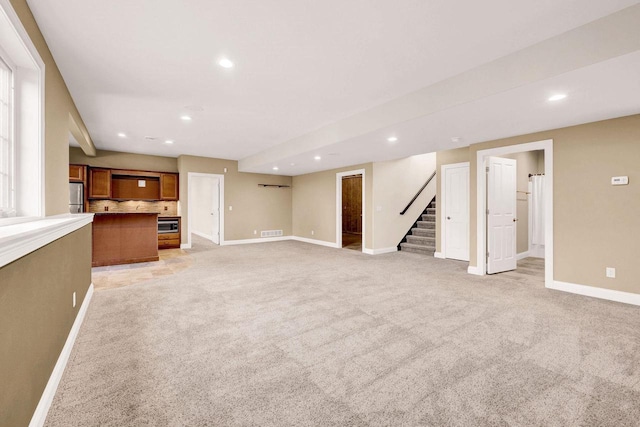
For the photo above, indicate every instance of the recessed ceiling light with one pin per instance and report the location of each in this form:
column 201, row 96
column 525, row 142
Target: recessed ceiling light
column 317, row 158
column 168, row 141
column 122, row 135
column 225, row 63
column 558, row 97
column 392, row 139
column 275, row 168
column 186, row 118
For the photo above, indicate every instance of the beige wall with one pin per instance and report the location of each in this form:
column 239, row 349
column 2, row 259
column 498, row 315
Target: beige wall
column 526, row 162
column 314, row 204
column 394, row 185
column 594, row 222
column 447, row 157
column 58, row 107
column 254, row 207
column 119, row 160
column 36, row 316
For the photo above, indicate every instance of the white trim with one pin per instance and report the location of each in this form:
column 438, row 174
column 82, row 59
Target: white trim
column 438, row 255
column 523, row 255
column 44, row 404
column 481, row 187
column 19, row 239
column 441, row 203
column 472, row 269
column 259, row 240
column 380, row 251
column 339, row 177
column 595, row 292
column 185, row 245
column 315, row 242
column 220, row 204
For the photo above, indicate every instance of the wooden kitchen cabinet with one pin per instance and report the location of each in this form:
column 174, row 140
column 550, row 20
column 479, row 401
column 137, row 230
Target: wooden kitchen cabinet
column 124, row 238
column 168, row 186
column 77, row 173
column 99, row 183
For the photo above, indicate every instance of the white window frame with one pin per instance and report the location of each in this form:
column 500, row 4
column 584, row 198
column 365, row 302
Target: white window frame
column 28, row 69
column 9, row 210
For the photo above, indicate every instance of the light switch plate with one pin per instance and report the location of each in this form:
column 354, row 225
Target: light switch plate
column 620, row 180
column 142, row 183
column 611, row 272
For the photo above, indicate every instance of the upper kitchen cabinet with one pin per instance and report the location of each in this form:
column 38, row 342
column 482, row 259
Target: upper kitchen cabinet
column 168, row 186
column 77, row 173
column 99, row 183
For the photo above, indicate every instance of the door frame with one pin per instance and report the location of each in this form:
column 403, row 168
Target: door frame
column 443, row 196
column 339, row 176
column 481, row 204
column 220, row 178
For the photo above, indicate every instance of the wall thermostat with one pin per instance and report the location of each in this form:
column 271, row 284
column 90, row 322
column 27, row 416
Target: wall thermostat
column 620, row 180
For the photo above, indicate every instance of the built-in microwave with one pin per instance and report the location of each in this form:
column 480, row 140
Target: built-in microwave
column 167, row 225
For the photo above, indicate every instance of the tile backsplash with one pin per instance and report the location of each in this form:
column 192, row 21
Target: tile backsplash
column 134, row 206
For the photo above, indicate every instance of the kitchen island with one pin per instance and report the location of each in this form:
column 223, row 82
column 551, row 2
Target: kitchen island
column 124, row 238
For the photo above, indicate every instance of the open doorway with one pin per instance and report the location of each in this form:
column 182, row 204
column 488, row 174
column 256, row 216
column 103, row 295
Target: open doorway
column 352, row 212
column 514, row 210
column 206, row 196
column 350, row 219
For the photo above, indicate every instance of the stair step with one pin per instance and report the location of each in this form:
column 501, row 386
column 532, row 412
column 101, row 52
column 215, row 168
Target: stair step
column 424, row 232
column 429, row 218
column 418, row 249
column 431, row 211
column 421, row 240
column 426, row 224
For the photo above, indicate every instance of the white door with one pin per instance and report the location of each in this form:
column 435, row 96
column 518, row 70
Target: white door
column 456, row 211
column 204, row 201
column 501, row 215
column 215, row 211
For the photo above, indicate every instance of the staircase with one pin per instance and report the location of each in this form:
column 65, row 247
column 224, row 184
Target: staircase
column 421, row 239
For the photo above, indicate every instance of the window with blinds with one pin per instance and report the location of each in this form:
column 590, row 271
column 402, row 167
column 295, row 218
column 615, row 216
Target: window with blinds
column 7, row 190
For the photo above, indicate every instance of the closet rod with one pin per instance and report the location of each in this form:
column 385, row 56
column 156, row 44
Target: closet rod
column 535, row 174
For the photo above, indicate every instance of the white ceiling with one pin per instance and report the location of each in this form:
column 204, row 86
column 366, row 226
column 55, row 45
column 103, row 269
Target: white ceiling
column 305, row 72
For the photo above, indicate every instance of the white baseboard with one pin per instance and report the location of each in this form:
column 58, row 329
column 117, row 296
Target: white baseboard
column 314, row 241
column 185, row 246
column 523, row 255
column 472, row 269
column 260, row 240
column 380, row 251
column 42, row 409
column 438, row 255
column 595, row 292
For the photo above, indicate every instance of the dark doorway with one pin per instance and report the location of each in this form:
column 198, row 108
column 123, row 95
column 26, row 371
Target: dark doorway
column 352, row 212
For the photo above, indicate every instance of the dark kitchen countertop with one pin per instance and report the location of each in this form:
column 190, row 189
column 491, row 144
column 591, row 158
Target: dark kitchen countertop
column 125, row 213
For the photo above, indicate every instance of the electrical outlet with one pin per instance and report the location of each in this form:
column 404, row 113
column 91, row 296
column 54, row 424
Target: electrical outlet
column 106, row 208
column 230, row 208
column 74, row 300
column 255, row 231
column 166, row 208
column 312, row 232
column 611, row 272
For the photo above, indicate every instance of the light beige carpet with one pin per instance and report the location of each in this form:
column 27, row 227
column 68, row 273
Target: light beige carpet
column 291, row 334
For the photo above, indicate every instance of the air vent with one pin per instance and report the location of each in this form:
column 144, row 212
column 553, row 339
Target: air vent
column 271, row 233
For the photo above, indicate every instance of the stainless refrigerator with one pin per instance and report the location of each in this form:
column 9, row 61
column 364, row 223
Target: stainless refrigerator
column 76, row 197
